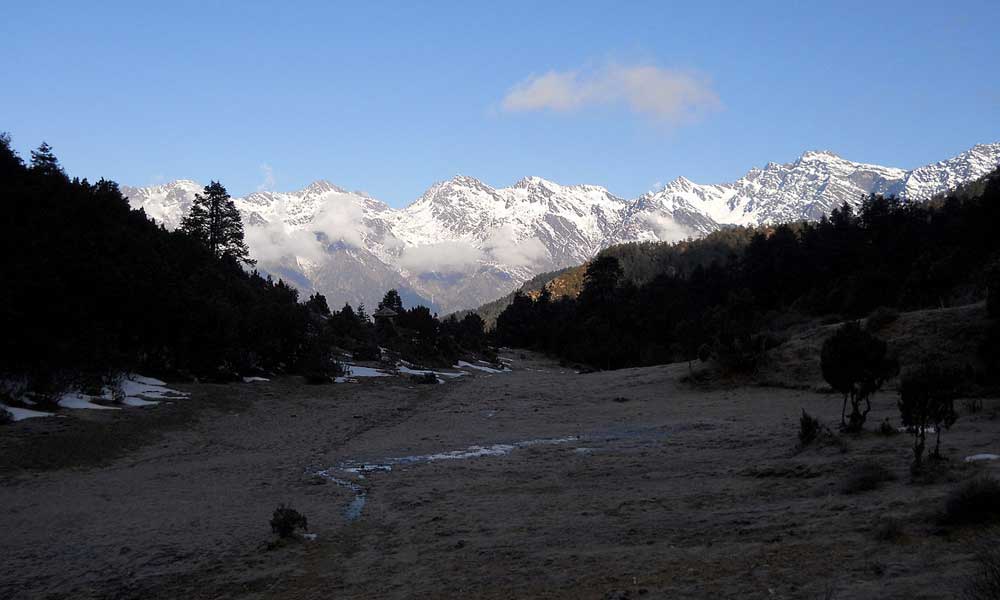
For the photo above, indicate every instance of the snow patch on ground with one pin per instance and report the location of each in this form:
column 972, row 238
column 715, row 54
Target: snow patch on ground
column 76, row 400
column 928, row 429
column 978, row 457
column 409, row 371
column 143, row 387
column 138, row 402
column 467, row 365
column 356, row 371
column 365, row 372
column 21, row 414
column 254, row 379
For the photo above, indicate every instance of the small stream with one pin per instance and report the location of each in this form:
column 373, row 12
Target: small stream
column 348, row 473
column 358, row 469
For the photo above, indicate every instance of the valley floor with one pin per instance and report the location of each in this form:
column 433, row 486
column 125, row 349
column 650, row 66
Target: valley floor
column 624, row 484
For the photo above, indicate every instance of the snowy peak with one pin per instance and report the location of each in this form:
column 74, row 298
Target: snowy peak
column 532, row 181
column 167, row 203
column 322, row 186
column 817, row 156
column 937, row 178
column 462, row 182
column 464, row 242
column 813, row 185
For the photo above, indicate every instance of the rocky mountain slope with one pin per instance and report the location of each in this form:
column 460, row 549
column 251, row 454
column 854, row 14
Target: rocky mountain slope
column 464, row 242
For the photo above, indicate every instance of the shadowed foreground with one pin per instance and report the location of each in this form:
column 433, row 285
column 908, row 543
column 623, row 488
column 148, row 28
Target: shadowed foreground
column 643, row 486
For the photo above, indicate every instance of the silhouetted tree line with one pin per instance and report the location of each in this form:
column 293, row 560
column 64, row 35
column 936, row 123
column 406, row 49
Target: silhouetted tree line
column 92, row 287
column 646, row 304
column 414, row 334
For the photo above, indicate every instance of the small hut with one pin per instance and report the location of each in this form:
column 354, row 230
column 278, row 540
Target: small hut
column 385, row 315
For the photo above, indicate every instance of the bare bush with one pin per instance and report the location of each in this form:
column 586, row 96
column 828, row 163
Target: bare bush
column 985, row 584
column 856, row 364
column 809, row 428
column 927, row 402
column 975, row 501
column 973, row 405
column 866, row 477
column 886, row 428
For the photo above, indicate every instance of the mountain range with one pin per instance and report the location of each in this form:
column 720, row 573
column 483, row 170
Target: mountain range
column 463, row 242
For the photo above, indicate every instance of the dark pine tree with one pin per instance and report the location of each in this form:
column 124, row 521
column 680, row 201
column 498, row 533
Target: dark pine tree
column 10, row 162
column 215, row 222
column 393, row 301
column 317, row 304
column 44, row 162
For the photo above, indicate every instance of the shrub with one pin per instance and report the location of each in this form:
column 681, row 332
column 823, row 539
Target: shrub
column 973, row 405
column 704, row 352
column 985, row 584
column 854, row 362
column 927, row 399
column 866, row 477
column 114, row 387
column 880, row 318
column 809, row 428
column 424, row 378
column 886, row 428
column 6, row 418
column 975, row 501
column 319, row 366
column 368, row 352
column 286, row 520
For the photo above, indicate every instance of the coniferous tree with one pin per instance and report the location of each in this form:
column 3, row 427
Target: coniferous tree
column 393, row 301
column 44, row 162
column 600, row 281
column 10, row 162
column 215, row 222
column 317, row 304
column 111, row 267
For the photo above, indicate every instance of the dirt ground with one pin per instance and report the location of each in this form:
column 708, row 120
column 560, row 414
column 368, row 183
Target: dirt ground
column 662, row 490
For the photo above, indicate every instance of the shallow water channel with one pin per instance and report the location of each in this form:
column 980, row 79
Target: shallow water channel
column 348, row 473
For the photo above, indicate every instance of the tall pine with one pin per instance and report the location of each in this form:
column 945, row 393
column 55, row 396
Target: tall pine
column 215, row 222
column 44, row 162
column 393, row 301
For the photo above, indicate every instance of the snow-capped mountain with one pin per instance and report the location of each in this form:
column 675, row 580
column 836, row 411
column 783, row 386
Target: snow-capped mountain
column 464, row 242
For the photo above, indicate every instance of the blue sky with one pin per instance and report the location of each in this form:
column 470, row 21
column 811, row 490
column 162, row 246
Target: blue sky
column 390, row 97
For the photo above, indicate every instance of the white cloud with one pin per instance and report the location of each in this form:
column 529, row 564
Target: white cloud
column 443, row 257
column 271, row 243
column 667, row 229
column 506, row 249
column 665, row 95
column 342, row 219
column 268, row 184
